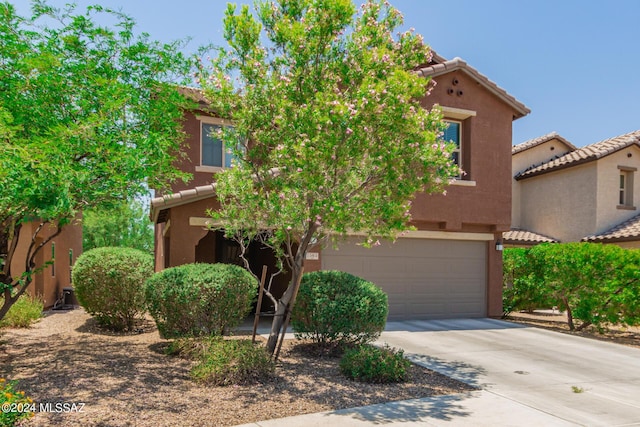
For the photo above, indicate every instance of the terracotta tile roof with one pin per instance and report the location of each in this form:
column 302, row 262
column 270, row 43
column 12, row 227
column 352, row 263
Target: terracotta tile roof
column 194, row 94
column 454, row 64
column 628, row 230
column 519, row 236
column 584, row 154
column 159, row 204
column 540, row 140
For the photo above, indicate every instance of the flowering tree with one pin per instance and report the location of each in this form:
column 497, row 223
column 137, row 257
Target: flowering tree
column 89, row 115
column 332, row 135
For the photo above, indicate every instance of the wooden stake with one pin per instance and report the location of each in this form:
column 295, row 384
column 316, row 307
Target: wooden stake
column 256, row 318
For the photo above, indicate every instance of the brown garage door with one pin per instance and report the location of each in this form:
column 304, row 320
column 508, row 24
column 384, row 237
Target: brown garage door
column 424, row 279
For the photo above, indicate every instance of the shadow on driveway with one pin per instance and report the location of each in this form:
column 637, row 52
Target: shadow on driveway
column 468, row 374
column 450, row 325
column 443, row 408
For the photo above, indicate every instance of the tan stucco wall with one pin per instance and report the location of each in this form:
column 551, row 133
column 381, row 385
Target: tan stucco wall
column 629, row 245
column 520, row 161
column 561, row 204
column 608, row 213
column 48, row 284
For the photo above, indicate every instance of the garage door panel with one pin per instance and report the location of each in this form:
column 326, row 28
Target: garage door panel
column 424, row 279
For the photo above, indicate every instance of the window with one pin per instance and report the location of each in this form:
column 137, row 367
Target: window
column 625, row 187
column 53, row 259
column 453, row 134
column 214, row 155
column 70, row 262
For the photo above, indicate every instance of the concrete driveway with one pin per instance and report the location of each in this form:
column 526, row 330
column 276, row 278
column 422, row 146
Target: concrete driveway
column 528, row 376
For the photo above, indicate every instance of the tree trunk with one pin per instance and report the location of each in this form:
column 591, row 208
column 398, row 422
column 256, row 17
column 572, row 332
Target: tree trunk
column 285, row 304
column 283, row 307
column 569, row 314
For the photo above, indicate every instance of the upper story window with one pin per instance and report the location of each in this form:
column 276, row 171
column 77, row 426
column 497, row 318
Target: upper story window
column 459, row 123
column 625, row 187
column 453, row 134
column 214, row 155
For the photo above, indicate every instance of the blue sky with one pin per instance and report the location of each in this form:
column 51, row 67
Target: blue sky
column 574, row 63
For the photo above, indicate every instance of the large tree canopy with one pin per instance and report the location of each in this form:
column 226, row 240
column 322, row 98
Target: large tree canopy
column 333, row 138
column 89, row 115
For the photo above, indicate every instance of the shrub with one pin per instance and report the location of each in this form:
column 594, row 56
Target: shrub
column 15, row 405
column 335, row 308
column 224, row 362
column 521, row 288
column 375, row 365
column 596, row 284
column 200, row 299
column 23, row 313
column 109, row 284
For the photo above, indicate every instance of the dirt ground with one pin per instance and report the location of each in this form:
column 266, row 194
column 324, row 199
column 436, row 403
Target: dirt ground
column 127, row 380
column 556, row 321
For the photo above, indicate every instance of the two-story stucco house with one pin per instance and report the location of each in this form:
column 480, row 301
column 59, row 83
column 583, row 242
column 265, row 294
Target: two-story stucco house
column 567, row 194
column 451, row 266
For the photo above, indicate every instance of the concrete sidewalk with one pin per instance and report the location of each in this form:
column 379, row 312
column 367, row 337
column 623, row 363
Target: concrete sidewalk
column 474, row 409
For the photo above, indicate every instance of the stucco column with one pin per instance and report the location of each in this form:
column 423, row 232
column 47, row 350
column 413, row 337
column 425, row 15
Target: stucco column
column 494, row 278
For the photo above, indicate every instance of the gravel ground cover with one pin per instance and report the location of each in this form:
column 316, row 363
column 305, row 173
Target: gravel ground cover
column 127, row 380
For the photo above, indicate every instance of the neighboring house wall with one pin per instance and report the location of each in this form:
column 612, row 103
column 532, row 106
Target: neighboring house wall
column 629, row 245
column 49, row 283
column 609, row 211
column 577, row 196
column 561, row 204
column 522, row 160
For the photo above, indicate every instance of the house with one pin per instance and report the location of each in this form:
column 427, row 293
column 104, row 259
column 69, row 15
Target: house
column 451, row 266
column 569, row 194
column 63, row 249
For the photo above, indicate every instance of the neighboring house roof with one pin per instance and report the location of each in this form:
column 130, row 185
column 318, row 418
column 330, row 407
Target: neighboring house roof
column 525, row 237
column 628, row 230
column 459, row 64
column 584, row 155
column 541, row 140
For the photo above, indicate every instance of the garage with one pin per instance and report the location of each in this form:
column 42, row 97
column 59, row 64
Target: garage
column 424, row 278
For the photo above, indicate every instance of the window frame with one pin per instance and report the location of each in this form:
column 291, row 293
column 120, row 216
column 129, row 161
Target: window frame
column 625, row 187
column 213, row 121
column 462, row 117
column 459, row 142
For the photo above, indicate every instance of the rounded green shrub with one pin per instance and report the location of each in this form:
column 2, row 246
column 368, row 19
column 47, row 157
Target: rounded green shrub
column 200, row 299
column 335, row 308
column 375, row 365
column 109, row 284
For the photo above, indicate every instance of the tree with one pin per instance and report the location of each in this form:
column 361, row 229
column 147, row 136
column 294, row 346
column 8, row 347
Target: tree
column 595, row 283
column 89, row 115
column 125, row 225
column 328, row 130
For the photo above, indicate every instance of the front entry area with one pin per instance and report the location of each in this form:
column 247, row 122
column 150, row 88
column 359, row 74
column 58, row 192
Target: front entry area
column 423, row 278
column 215, row 248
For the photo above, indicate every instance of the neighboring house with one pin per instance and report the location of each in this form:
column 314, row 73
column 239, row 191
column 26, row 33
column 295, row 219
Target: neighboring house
column 450, row 267
column 64, row 249
column 570, row 194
